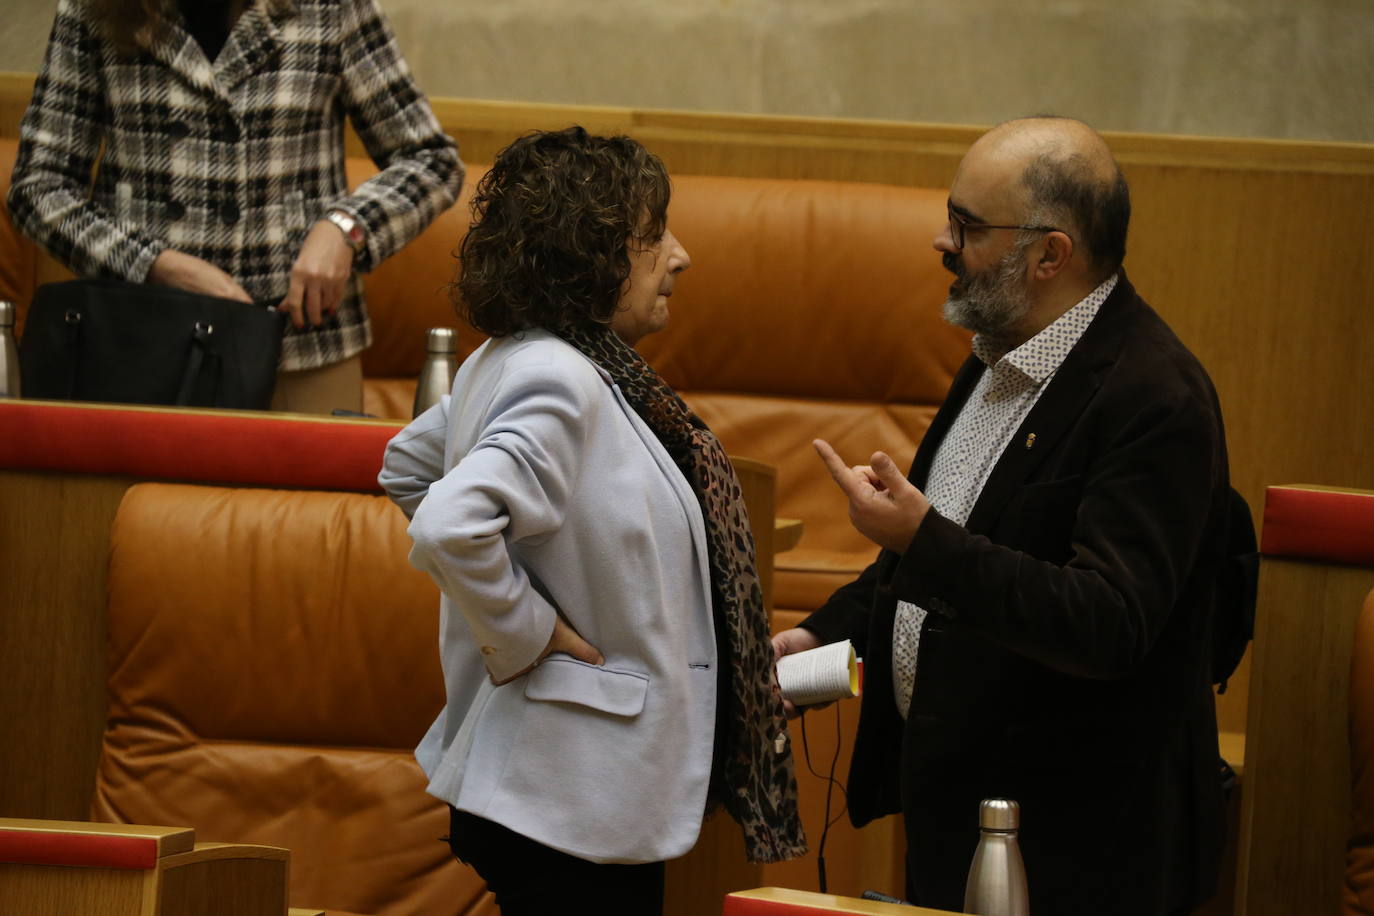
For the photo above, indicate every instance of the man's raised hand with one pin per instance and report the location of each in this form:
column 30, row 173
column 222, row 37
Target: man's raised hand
column 883, row 505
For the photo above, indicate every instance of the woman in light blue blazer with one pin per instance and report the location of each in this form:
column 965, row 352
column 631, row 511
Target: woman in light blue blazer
column 605, row 649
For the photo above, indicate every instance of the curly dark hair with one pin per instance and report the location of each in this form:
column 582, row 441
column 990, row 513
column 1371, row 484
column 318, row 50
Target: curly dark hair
column 552, row 224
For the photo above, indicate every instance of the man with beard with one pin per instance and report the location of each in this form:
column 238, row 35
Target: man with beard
column 1036, row 625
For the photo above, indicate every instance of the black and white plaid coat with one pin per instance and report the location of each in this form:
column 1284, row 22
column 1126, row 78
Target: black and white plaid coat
column 231, row 161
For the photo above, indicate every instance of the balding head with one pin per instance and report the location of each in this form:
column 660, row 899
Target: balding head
column 1065, row 175
column 1025, row 138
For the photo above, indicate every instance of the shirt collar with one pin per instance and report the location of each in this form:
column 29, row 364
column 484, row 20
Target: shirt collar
column 1040, row 357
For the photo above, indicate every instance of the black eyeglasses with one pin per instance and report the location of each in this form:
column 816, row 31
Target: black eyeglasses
column 958, row 225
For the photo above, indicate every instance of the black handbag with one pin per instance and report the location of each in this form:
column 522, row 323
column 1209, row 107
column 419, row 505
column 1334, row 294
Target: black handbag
column 138, row 343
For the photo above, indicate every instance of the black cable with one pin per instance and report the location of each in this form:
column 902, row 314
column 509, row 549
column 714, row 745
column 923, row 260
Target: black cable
column 831, row 785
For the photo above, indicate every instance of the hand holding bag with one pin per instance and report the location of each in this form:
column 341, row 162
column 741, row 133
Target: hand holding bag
column 138, row 343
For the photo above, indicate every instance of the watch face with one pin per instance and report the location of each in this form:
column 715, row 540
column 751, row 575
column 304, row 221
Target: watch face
column 352, row 230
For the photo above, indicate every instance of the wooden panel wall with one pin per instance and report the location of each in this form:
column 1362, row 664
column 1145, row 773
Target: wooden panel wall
column 1259, row 253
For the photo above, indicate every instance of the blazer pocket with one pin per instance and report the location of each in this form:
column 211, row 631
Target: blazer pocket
column 1050, row 495
column 567, row 680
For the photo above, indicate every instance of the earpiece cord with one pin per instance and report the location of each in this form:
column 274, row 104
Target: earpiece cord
column 831, row 785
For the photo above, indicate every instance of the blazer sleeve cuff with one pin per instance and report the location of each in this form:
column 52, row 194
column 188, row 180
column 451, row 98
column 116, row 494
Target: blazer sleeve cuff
column 507, row 653
column 926, row 574
column 828, row 624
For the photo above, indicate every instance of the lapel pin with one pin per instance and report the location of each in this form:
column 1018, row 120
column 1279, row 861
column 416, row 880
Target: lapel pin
column 1030, row 440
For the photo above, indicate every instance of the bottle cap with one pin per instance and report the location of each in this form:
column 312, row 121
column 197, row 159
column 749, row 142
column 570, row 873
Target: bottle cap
column 999, row 814
column 442, row 340
column 6, row 313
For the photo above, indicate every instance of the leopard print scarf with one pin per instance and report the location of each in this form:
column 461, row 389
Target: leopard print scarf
column 753, row 773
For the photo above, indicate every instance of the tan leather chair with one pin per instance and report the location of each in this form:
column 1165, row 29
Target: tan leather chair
column 272, row 665
column 1358, row 894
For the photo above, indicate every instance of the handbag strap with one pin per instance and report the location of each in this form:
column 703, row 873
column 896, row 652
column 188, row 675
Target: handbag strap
column 201, row 338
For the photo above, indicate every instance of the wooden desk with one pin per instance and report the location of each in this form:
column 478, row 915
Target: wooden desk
column 781, row 901
column 54, row 868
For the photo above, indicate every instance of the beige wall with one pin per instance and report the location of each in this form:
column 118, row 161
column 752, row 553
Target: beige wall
column 1299, row 69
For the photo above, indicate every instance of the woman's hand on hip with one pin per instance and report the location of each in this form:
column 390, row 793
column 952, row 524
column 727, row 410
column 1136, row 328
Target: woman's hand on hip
column 566, row 640
column 184, row 271
column 319, row 276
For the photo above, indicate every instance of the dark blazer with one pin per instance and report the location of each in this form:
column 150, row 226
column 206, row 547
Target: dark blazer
column 1065, row 661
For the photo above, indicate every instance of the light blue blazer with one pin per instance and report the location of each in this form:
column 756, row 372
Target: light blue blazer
column 535, row 488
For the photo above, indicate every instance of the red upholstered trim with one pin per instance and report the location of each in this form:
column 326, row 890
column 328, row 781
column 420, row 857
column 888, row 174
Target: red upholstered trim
column 90, row 850
column 202, row 446
column 1318, row 524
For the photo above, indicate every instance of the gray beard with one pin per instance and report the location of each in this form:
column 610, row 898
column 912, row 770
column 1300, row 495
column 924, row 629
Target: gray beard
column 993, row 302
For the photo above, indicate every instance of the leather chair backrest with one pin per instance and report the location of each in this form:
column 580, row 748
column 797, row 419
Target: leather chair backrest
column 272, row 664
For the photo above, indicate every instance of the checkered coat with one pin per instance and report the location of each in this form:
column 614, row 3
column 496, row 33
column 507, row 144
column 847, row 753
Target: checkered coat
column 231, row 161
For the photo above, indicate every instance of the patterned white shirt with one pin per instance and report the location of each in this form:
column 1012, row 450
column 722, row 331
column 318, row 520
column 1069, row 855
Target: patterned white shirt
column 994, row 411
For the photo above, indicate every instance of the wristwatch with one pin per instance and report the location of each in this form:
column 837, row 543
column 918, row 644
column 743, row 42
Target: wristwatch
column 350, row 227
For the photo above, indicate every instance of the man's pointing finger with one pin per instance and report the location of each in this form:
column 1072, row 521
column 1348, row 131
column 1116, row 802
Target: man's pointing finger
column 838, row 469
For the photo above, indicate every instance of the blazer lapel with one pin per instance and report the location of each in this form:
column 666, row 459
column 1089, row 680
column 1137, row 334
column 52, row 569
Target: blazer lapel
column 254, row 44
column 959, row 390
column 1072, row 387
column 1075, row 384
column 179, row 52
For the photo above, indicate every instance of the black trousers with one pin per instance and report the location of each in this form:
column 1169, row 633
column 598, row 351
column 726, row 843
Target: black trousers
column 530, row 879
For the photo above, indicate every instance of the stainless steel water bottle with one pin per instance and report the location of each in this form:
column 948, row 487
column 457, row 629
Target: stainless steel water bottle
column 9, row 353
column 997, row 878
column 441, row 364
